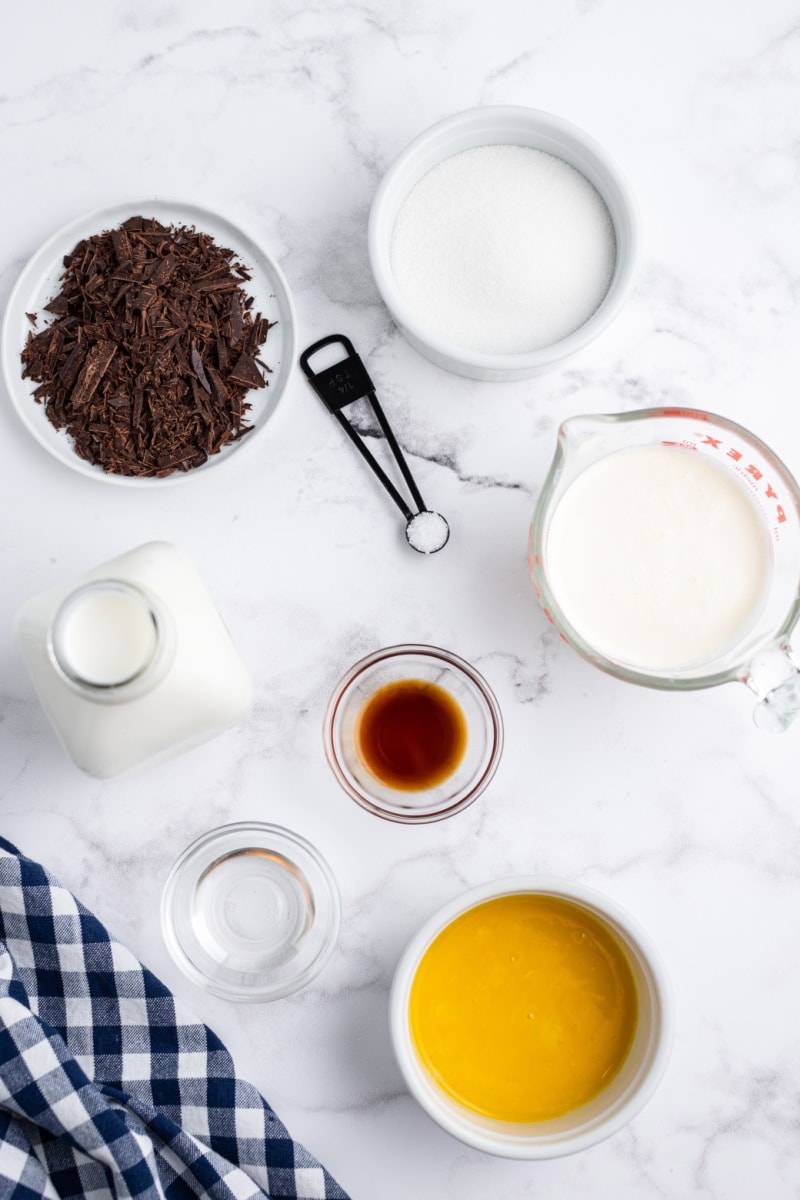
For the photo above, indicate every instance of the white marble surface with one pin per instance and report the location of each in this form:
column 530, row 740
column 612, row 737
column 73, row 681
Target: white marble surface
column 284, row 117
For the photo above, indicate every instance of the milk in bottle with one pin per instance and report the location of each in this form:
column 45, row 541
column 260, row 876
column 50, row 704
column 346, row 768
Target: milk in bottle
column 132, row 662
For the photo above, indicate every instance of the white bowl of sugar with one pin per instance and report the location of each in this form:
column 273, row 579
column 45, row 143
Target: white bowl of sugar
column 503, row 240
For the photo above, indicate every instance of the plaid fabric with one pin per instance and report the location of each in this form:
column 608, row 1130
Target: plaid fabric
column 108, row 1087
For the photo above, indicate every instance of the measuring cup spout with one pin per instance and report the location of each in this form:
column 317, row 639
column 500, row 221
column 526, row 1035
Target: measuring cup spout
column 774, row 676
column 582, row 440
column 575, row 430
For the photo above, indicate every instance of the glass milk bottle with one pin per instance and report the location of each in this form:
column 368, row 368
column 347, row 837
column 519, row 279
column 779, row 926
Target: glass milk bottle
column 132, row 662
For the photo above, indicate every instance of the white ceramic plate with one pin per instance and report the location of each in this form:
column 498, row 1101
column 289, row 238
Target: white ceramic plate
column 39, row 283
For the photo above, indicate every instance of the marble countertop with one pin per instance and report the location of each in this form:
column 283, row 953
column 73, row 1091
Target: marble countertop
column 284, row 117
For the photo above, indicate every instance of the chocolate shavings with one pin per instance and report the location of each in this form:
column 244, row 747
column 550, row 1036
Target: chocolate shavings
column 146, row 313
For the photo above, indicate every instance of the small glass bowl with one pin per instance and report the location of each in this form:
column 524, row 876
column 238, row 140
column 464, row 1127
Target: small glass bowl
column 250, row 912
column 475, row 699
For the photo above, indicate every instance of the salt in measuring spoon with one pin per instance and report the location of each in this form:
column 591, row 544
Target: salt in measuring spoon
column 345, row 382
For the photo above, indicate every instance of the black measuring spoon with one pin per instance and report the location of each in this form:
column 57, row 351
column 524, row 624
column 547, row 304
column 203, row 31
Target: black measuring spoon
column 346, row 381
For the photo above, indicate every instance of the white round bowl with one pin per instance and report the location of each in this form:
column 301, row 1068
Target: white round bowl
column 493, row 126
column 616, row 1104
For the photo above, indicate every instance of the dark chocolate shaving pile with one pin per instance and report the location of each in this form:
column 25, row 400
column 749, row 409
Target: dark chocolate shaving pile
column 152, row 350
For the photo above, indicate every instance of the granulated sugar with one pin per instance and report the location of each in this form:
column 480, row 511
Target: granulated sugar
column 503, row 249
column 427, row 532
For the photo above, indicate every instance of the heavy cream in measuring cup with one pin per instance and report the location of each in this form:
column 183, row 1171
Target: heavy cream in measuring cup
column 658, row 557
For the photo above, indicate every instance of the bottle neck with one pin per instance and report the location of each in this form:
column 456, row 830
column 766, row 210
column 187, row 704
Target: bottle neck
column 111, row 641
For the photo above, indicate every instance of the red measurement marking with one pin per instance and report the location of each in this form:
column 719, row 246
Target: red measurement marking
column 684, row 412
column 755, row 473
column 709, row 441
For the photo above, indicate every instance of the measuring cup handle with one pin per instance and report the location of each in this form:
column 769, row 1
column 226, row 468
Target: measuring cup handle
column 774, row 676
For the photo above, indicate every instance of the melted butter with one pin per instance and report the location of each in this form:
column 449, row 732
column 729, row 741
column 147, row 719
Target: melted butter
column 523, row 1008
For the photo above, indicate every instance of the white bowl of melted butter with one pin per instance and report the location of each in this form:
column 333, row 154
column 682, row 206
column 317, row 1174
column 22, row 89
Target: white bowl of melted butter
column 531, row 1017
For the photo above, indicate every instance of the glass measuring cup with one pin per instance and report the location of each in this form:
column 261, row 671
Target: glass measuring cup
column 761, row 657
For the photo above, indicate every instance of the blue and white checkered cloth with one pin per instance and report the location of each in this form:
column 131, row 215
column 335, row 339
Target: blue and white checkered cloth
column 108, row 1087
